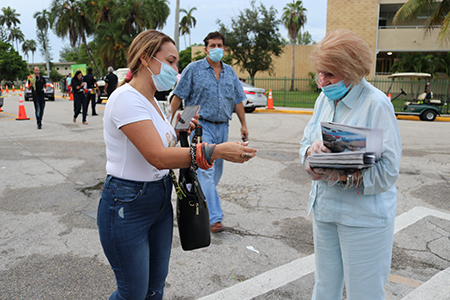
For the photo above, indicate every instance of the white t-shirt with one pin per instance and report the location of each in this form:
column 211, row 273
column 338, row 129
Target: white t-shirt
column 126, row 105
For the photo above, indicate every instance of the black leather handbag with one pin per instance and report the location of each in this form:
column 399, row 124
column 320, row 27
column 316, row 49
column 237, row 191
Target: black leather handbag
column 192, row 210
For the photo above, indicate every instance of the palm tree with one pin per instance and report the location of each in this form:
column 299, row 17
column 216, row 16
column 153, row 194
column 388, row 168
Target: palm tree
column 9, row 18
column 294, row 18
column 27, row 46
column 42, row 24
column 438, row 12
column 70, row 18
column 186, row 23
column 32, row 47
column 17, row 35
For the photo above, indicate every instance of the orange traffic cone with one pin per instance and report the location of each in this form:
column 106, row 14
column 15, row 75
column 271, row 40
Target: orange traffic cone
column 71, row 97
column 13, row 89
column 22, row 113
column 21, row 88
column 270, row 102
column 7, row 88
column 389, row 96
column 1, row 88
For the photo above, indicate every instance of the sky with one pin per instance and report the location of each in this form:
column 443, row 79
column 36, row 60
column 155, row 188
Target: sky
column 206, row 15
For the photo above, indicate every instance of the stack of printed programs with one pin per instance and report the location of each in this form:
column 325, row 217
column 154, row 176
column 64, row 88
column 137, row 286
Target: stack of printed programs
column 352, row 147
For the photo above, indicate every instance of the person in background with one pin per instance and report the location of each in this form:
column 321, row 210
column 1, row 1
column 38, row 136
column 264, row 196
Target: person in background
column 64, row 86
column 69, row 84
column 79, row 97
column 38, row 87
column 214, row 86
column 111, row 81
column 135, row 215
column 92, row 88
column 354, row 210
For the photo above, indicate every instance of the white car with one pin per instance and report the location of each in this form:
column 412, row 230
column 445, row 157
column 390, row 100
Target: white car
column 120, row 73
column 256, row 97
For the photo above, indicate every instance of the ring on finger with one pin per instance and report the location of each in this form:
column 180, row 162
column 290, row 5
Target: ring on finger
column 246, row 155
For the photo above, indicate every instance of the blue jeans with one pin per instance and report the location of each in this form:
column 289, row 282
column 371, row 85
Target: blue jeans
column 135, row 222
column 39, row 105
column 209, row 179
column 358, row 256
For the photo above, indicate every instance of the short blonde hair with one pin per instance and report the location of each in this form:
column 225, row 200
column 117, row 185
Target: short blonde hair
column 344, row 54
column 148, row 42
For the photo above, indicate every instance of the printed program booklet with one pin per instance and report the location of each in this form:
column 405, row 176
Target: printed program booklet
column 352, row 147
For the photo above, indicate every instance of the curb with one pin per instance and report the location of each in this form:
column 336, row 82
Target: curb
column 306, row 112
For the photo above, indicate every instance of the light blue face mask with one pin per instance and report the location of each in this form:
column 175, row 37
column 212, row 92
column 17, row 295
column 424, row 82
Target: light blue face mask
column 216, row 54
column 166, row 78
column 336, row 91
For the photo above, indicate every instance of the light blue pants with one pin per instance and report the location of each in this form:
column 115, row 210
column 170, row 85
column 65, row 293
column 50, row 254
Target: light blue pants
column 358, row 256
column 209, row 179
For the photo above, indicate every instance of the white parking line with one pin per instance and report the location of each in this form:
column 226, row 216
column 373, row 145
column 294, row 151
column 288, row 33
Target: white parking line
column 298, row 268
column 437, row 287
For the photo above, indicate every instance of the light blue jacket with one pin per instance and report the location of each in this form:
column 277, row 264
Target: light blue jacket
column 374, row 204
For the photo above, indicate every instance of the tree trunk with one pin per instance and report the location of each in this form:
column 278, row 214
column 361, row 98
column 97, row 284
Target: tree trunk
column 46, row 54
column 90, row 55
column 293, row 65
column 176, row 36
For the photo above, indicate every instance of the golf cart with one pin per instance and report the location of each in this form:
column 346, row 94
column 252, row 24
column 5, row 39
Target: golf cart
column 422, row 105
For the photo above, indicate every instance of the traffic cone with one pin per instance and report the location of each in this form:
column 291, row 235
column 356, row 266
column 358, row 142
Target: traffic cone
column 22, row 113
column 13, row 89
column 1, row 88
column 71, row 97
column 7, row 88
column 389, row 96
column 270, row 102
column 21, row 88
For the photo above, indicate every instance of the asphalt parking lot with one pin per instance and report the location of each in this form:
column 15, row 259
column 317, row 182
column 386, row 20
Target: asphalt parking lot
column 50, row 184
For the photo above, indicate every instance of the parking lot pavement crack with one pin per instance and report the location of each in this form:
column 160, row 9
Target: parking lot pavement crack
column 248, row 233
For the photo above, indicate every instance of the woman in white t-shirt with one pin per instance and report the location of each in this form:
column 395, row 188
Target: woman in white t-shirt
column 135, row 216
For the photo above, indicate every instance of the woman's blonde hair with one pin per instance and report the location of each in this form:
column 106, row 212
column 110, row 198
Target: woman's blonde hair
column 344, row 54
column 148, row 42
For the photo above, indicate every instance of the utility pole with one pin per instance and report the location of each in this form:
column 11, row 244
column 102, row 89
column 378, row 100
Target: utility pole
column 176, row 35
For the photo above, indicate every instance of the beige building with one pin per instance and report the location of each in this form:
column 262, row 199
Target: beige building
column 372, row 21
column 63, row 68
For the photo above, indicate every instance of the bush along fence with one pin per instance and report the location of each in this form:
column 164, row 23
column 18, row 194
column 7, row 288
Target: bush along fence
column 305, row 91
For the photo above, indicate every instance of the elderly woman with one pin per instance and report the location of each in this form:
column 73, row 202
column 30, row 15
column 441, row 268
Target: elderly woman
column 353, row 225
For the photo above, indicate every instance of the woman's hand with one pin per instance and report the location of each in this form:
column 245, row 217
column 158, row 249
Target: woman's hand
column 325, row 174
column 192, row 124
column 318, row 147
column 236, row 152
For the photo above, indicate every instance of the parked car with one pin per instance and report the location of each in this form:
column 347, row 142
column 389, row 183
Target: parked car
column 49, row 94
column 256, row 97
column 120, row 73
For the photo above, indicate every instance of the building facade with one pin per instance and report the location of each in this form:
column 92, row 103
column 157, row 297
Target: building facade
column 63, row 68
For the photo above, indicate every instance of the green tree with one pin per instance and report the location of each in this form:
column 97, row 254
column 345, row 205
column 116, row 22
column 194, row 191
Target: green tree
column 9, row 17
column 438, row 13
column 186, row 23
column 294, row 18
column 43, row 24
column 12, row 65
column 26, row 48
column 253, row 39
column 305, row 38
column 415, row 62
column 70, row 18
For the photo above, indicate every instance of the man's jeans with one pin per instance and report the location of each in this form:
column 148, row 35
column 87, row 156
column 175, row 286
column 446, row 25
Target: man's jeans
column 209, row 179
column 135, row 222
column 39, row 105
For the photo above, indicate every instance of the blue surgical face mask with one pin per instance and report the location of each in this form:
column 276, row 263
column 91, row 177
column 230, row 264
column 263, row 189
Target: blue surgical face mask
column 166, row 78
column 336, row 91
column 216, row 54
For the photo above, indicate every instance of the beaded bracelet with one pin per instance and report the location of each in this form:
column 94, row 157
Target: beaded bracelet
column 193, row 153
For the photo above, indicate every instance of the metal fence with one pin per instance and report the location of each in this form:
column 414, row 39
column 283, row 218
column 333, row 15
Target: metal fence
column 305, row 92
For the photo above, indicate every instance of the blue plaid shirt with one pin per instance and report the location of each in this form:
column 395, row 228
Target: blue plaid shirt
column 198, row 86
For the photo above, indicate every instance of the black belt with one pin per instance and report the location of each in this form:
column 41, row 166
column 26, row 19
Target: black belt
column 213, row 122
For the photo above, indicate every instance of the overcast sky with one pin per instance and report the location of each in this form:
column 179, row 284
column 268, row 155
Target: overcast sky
column 206, row 15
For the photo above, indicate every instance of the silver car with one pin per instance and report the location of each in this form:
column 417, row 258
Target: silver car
column 49, row 94
column 256, row 97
